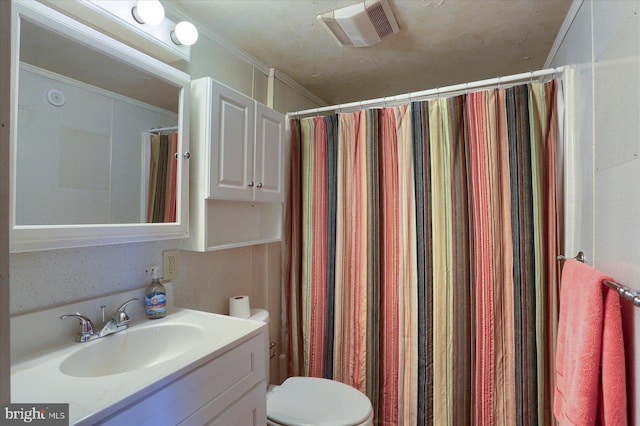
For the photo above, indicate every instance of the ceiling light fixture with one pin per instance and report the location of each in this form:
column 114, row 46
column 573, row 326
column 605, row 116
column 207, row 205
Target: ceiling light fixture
column 148, row 12
column 184, row 33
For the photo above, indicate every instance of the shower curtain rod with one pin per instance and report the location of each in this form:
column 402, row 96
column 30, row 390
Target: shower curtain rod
column 161, row 129
column 437, row 91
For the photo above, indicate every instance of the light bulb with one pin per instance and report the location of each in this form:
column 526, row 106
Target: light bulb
column 184, row 33
column 148, row 12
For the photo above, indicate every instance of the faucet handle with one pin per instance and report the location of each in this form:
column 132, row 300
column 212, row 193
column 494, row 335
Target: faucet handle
column 120, row 316
column 86, row 327
column 124, row 305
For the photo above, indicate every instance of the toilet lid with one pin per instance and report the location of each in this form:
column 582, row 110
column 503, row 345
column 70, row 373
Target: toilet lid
column 305, row 401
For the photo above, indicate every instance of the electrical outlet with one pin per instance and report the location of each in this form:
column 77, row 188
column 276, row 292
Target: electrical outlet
column 169, row 264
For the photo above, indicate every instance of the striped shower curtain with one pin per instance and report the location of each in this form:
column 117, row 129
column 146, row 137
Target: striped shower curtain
column 421, row 256
column 163, row 167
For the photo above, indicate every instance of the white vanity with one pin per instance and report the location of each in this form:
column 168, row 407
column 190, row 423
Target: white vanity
column 191, row 367
column 106, row 98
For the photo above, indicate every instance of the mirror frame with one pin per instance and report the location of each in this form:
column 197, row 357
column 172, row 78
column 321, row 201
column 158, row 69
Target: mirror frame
column 24, row 238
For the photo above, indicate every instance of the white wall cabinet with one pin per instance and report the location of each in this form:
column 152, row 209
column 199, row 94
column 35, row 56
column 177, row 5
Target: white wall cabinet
column 246, row 154
column 237, row 169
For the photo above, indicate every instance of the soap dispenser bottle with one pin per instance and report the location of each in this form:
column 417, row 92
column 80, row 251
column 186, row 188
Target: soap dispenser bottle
column 155, row 297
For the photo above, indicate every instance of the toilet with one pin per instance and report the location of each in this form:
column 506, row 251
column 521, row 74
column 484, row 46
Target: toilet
column 305, row 401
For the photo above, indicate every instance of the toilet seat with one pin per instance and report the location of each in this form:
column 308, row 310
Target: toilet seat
column 304, row 401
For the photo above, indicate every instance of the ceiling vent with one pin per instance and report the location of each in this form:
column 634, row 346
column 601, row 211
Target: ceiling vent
column 361, row 24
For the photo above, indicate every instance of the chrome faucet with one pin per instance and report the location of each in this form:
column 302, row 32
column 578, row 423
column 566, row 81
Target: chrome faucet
column 85, row 332
column 118, row 321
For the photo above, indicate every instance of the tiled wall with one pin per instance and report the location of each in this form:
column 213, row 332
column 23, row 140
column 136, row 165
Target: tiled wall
column 603, row 43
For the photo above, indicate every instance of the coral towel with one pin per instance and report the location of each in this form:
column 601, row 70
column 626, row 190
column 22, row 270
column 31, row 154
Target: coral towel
column 590, row 368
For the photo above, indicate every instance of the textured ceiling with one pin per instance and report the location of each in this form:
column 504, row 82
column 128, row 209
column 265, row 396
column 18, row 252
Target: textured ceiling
column 441, row 42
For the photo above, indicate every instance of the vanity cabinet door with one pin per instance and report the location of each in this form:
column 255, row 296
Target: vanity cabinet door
column 251, row 410
column 269, row 155
column 231, row 144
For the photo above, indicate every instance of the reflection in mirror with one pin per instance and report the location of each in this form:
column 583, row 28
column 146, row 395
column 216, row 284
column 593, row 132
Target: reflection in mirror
column 86, row 152
column 84, row 111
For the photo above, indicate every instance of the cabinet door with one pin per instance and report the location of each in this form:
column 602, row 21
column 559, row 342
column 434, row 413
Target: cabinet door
column 269, row 154
column 231, row 150
column 251, row 410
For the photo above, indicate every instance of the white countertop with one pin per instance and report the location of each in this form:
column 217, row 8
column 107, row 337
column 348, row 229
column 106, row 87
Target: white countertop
column 39, row 379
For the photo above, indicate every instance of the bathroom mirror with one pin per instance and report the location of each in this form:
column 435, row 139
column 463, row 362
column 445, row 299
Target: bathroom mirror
column 99, row 137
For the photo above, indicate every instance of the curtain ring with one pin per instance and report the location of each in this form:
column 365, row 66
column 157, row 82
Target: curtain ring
column 466, row 88
column 498, row 79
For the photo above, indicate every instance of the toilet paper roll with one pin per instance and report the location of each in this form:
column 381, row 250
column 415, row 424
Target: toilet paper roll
column 239, row 307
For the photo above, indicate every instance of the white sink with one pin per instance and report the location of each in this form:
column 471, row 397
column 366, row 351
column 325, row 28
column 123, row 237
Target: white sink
column 132, row 349
column 102, row 376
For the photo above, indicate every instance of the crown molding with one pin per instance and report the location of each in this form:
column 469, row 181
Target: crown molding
column 176, row 12
column 284, row 78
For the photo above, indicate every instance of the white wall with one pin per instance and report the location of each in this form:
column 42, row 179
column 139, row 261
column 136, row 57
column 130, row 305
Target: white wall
column 603, row 45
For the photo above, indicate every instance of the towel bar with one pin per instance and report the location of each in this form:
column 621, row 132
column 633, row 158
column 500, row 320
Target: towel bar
column 623, row 291
column 580, row 257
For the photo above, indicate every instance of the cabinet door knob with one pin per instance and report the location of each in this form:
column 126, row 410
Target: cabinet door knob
column 259, row 185
column 250, row 184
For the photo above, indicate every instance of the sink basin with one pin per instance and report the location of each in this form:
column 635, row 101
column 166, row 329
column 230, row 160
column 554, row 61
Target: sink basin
column 132, row 349
column 98, row 378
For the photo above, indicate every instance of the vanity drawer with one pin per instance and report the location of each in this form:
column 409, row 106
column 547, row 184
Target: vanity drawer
column 208, row 390
column 250, row 410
